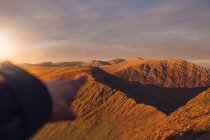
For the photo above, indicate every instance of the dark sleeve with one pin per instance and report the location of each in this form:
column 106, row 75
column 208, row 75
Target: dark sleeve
column 25, row 104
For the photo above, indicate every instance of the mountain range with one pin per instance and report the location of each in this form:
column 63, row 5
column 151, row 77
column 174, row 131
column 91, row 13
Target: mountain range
column 133, row 99
column 93, row 63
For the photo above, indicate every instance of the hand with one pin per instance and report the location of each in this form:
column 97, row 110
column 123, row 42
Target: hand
column 62, row 93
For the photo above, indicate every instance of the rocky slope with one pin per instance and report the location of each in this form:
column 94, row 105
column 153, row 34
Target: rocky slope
column 165, row 73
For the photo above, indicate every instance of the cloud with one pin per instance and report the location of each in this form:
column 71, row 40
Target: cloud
column 103, row 29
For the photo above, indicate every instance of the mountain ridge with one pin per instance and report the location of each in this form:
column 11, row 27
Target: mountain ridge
column 167, row 73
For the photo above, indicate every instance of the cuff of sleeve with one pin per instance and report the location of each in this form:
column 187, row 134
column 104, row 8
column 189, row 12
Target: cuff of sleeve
column 31, row 95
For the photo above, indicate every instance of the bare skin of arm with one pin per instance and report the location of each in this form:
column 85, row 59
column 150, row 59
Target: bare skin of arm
column 62, row 93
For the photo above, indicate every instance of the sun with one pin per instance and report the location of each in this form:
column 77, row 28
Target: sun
column 7, row 47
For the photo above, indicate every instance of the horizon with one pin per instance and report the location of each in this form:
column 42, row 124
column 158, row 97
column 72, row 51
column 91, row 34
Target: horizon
column 75, row 30
column 200, row 63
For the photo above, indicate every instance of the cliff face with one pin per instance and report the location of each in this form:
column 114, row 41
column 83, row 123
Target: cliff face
column 191, row 121
column 164, row 73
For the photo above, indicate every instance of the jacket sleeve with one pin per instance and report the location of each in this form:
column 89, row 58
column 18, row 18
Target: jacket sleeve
column 25, row 104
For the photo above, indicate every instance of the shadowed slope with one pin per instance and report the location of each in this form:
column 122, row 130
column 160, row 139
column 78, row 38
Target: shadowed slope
column 165, row 73
column 191, row 121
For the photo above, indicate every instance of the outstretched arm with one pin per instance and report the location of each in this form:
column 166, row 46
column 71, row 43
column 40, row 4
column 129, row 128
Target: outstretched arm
column 26, row 103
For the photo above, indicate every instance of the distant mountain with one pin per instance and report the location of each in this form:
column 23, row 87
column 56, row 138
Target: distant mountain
column 44, row 64
column 190, row 122
column 123, row 65
column 111, row 108
column 59, row 64
column 68, row 64
column 93, row 63
column 165, row 73
column 116, row 61
column 96, row 63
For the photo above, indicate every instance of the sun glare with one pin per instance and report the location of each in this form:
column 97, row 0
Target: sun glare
column 7, row 47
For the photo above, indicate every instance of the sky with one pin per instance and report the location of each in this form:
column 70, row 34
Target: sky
column 67, row 30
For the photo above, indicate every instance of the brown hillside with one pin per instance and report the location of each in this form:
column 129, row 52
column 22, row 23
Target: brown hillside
column 165, row 73
column 111, row 108
column 190, row 122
